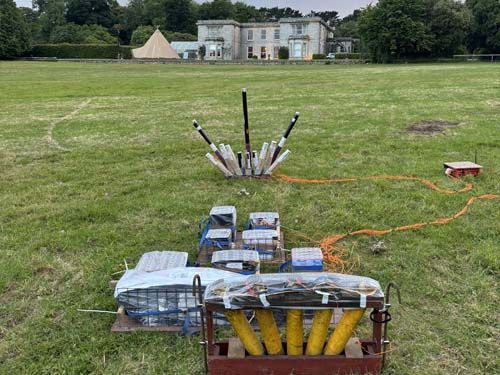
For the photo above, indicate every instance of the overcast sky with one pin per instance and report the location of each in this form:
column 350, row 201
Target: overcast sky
column 344, row 7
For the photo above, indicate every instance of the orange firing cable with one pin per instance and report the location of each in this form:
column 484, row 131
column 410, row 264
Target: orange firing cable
column 334, row 259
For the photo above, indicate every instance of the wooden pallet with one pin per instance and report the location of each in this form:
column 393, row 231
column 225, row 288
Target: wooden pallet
column 124, row 323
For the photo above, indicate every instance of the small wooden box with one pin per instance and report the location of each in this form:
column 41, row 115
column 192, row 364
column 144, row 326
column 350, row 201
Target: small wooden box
column 462, row 168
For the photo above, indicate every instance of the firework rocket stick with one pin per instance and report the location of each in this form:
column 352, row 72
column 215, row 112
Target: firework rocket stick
column 278, row 161
column 268, row 163
column 226, row 157
column 234, row 162
column 262, row 158
column 255, row 159
column 285, row 137
column 205, row 137
column 218, row 165
column 248, row 171
column 245, row 122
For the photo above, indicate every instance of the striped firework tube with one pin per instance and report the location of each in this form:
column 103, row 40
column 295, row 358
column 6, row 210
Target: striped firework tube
column 216, row 163
column 285, row 136
column 210, row 143
column 278, row 161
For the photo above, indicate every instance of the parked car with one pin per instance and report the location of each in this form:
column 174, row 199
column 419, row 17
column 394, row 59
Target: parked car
column 331, row 56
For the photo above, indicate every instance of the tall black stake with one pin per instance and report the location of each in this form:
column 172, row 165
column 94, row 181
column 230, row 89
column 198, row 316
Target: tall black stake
column 212, row 146
column 245, row 121
column 285, row 137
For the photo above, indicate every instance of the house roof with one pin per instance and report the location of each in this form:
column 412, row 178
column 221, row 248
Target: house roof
column 264, row 24
column 185, row 46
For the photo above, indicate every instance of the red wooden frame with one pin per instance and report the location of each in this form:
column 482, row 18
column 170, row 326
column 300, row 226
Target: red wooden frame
column 371, row 363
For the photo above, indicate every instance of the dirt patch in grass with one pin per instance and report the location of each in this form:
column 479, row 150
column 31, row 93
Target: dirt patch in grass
column 430, row 127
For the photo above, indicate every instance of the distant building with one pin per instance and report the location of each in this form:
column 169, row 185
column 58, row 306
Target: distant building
column 344, row 44
column 231, row 40
column 186, row 50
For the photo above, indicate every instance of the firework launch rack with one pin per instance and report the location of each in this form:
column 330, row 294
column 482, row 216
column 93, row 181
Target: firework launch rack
column 249, row 163
column 366, row 356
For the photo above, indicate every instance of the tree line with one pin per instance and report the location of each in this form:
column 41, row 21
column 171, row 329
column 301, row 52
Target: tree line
column 389, row 30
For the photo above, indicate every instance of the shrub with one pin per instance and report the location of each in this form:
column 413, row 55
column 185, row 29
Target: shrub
column 202, row 52
column 180, row 37
column 319, row 56
column 82, row 51
column 283, row 53
column 141, row 35
column 81, row 34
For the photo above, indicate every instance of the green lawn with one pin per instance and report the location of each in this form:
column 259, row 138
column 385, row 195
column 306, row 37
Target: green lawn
column 100, row 163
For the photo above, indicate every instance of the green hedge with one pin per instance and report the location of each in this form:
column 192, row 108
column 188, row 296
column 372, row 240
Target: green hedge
column 82, row 51
column 350, row 56
column 319, row 56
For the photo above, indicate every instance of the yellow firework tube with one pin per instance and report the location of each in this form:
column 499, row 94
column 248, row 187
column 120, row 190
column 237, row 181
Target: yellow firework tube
column 343, row 332
column 319, row 331
column 294, row 333
column 245, row 332
column 269, row 331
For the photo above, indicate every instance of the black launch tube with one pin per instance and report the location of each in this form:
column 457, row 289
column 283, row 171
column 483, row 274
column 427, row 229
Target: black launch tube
column 285, row 137
column 245, row 121
column 210, row 143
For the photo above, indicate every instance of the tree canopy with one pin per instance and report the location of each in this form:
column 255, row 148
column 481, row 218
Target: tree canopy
column 14, row 31
column 485, row 36
column 389, row 30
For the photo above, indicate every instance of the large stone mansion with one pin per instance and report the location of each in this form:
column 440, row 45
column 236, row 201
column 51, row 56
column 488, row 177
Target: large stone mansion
column 231, row 40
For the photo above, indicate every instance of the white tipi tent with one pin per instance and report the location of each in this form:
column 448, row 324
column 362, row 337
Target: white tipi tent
column 157, row 47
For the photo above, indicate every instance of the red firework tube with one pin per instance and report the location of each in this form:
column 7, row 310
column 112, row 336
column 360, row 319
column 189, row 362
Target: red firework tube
column 210, row 143
column 285, row 137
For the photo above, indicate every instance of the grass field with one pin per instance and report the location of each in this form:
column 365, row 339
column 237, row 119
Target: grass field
column 100, row 163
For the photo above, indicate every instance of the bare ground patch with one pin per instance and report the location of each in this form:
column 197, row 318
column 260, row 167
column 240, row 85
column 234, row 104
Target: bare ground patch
column 430, row 127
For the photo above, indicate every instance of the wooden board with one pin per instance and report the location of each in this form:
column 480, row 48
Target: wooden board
column 124, row 323
column 235, row 348
column 462, row 165
column 353, row 348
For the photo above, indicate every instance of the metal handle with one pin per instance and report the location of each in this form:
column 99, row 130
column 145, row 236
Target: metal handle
column 387, row 305
column 197, row 292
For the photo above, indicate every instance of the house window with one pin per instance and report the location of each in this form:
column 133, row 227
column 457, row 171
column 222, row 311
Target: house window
column 263, row 52
column 250, row 34
column 215, row 50
column 276, row 34
column 250, row 52
column 212, row 50
column 263, row 34
column 298, row 29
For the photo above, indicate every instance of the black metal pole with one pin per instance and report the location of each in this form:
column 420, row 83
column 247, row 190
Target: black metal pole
column 245, row 121
column 285, row 137
column 210, row 143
